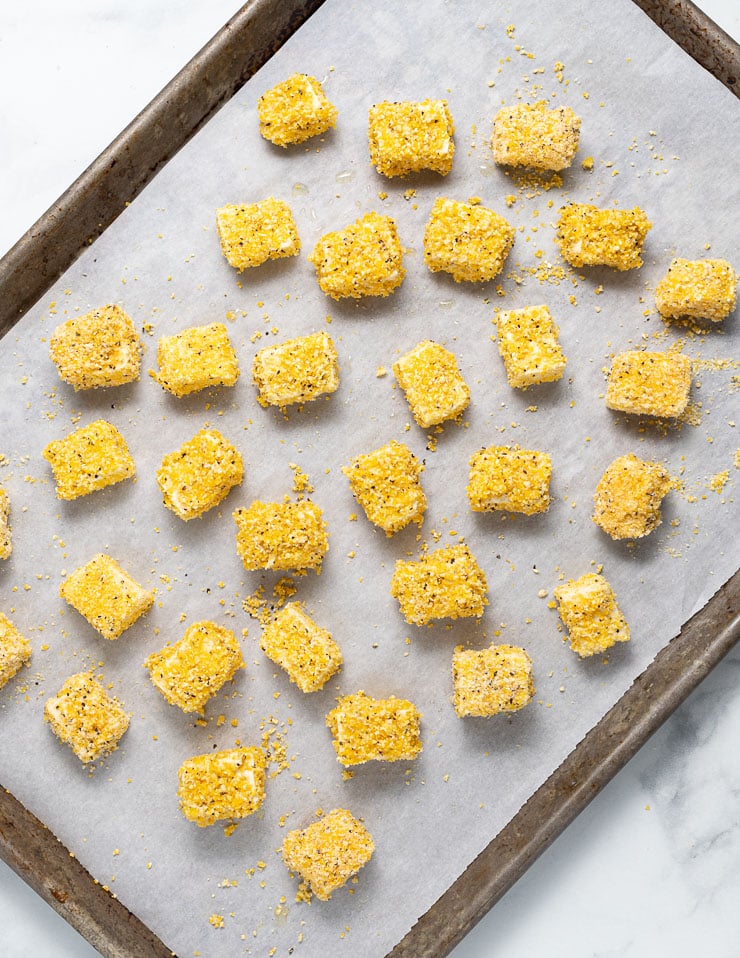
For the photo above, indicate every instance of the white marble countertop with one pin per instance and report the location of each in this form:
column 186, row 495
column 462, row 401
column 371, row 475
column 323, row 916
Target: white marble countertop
column 652, row 866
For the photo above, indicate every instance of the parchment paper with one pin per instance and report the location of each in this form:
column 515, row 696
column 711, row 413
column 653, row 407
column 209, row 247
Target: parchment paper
column 662, row 134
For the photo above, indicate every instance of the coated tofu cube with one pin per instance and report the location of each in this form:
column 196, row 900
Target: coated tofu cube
column 365, row 729
column 83, row 716
column 589, row 236
column 192, row 670
column 468, row 241
column 101, row 348
column 386, row 483
column 296, row 371
column 200, row 474
column 297, row 644
column 295, row 110
column 15, row 650
column 195, row 359
column 250, row 234
column 628, row 497
column 432, row 384
column 410, row 137
column 365, row 259
column 488, row 681
column 447, row 583
column 529, row 346
column 106, row 596
column 509, row 479
column 649, row 383
column 532, row 136
column 700, row 289
column 222, row 785
column 6, row 543
column 588, row 608
column 281, row 536
column 90, row 458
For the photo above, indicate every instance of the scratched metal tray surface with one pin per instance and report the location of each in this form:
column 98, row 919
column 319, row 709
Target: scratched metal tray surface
column 51, row 245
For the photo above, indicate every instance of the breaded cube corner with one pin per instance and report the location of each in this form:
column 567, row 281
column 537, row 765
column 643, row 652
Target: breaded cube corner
column 510, row 479
column 588, row 608
column 329, row 852
column 308, row 653
column 434, row 388
column 447, row 583
column 281, row 536
column 15, row 650
column 529, row 346
column 83, row 716
column 250, row 234
column 387, row 484
column 90, row 458
column 222, row 785
column 700, row 289
column 106, row 596
column 101, row 348
column 468, row 241
column 6, row 542
column 365, row 259
column 195, row 359
column 409, row 137
column 532, row 136
column 295, row 110
column 649, row 383
column 628, row 497
column 365, row 729
column 589, row 236
column 296, row 371
column 492, row 680
column 200, row 474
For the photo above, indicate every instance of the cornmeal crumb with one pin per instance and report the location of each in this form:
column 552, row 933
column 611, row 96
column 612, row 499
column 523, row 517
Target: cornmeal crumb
column 432, row 384
column 297, row 644
column 510, row 478
column 101, row 348
column 88, row 459
column 281, row 535
column 252, row 234
column 492, row 680
column 700, row 289
column 468, row 241
column 590, row 613
column 447, row 583
column 649, row 383
column 106, row 596
column 533, row 136
column 386, row 483
column 200, row 474
column 529, row 346
column 222, row 785
column 15, row 650
column 6, row 542
column 589, row 236
column 628, row 497
column 296, row 371
column 365, row 729
column 85, row 717
column 195, row 359
column 365, row 259
column 409, row 137
column 295, row 110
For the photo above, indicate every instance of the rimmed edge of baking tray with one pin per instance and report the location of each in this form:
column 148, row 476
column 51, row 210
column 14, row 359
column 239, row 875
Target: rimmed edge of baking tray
column 46, row 250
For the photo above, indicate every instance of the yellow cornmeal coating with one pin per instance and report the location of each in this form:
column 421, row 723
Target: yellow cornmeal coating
column 386, row 483
column 192, row 670
column 588, row 608
column 15, row 650
column 297, row 644
column 281, row 536
column 328, row 852
column 468, row 241
column 200, row 474
column 510, row 479
column 365, row 259
column 530, row 135
column 85, row 717
column 252, row 234
column 222, row 785
column 6, row 543
column 408, row 137
column 649, row 383
column 628, row 497
column 295, row 110
column 106, row 596
column 701, row 289
column 365, row 729
column 296, row 371
column 195, row 359
column 589, row 236
column 90, row 458
column 488, row 681
column 101, row 348
column 447, row 583
column 529, row 346
column 432, row 383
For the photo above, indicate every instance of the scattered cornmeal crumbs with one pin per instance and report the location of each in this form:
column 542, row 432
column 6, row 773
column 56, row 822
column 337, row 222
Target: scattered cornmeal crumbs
column 109, row 598
column 6, row 543
column 365, row 729
column 295, row 110
column 469, row 241
column 251, row 234
column 15, row 650
column 200, row 474
column 628, row 497
column 222, row 785
column 649, row 383
column 534, row 137
column 589, row 236
column 365, row 259
column 386, row 483
column 590, row 613
column 297, row 644
column 88, row 459
column 101, row 348
column 492, row 680
column 447, row 583
column 432, row 383
column 511, row 479
column 296, row 371
column 409, row 137
column 699, row 289
column 281, row 536
column 196, row 359
column 83, row 716
column 529, row 346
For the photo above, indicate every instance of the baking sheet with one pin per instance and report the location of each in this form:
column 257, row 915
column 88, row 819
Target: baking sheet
column 493, row 765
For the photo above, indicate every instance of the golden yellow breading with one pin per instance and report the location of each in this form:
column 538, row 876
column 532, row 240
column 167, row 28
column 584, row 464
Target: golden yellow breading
column 628, row 497
column 329, row 852
column 222, row 785
column 649, row 383
column 250, row 234
column 6, row 543
column 700, row 289
column 365, row 729
column 90, row 458
column 447, row 583
column 85, row 717
column 365, row 259
column 530, row 135
column 409, row 137
column 296, row 371
column 432, row 384
column 101, row 348
column 529, row 346
column 297, row 644
column 589, row 236
column 200, row 474
column 15, row 650
column 468, row 241
column 589, row 611
column 492, row 680
column 295, row 110
column 386, row 483
column 281, row 536
column 511, row 479
column 106, row 596
column 195, row 359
